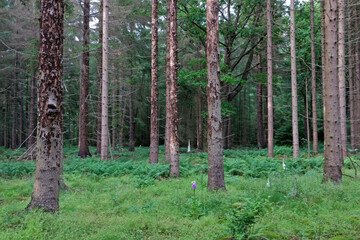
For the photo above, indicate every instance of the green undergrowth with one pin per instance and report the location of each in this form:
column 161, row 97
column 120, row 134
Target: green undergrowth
column 126, row 198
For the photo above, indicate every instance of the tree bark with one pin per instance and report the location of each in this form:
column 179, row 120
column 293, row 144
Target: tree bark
column 99, row 69
column 113, row 111
column 269, row 82
column 168, row 106
column 22, row 114
column 295, row 122
column 332, row 153
column 122, row 111
column 154, row 118
column 131, row 121
column 14, row 129
column 84, row 89
column 173, row 91
column 214, row 139
column 104, row 85
column 259, row 107
column 356, row 83
column 313, row 82
column 50, row 108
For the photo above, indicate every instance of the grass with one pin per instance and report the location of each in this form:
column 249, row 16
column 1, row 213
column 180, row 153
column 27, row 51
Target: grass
column 128, row 200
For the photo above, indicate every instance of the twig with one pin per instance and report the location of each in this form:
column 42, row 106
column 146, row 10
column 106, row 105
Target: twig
column 352, row 163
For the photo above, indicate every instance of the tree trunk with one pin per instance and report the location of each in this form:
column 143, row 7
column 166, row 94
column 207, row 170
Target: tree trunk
column 269, row 82
column 122, row 111
column 131, row 121
column 99, row 69
column 113, row 112
column 351, row 82
column 214, row 139
column 168, row 107
column 313, row 82
column 84, row 94
column 50, row 108
column 154, row 118
column 173, row 91
column 32, row 113
column 200, row 145
column 356, row 83
column 295, row 123
column 14, row 130
column 104, row 85
column 342, row 81
column 332, row 153
column 6, row 139
column 22, row 114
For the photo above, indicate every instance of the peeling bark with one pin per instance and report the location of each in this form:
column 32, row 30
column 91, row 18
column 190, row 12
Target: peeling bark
column 50, row 108
column 214, row 140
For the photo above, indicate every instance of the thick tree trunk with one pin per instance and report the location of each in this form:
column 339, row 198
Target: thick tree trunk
column 50, row 108
column 168, row 107
column 104, row 85
column 342, row 81
column 173, row 91
column 351, row 81
column 313, row 82
column 131, row 121
column 269, row 81
column 200, row 145
column 259, row 107
column 214, row 139
column 84, row 94
column 154, row 118
column 295, row 122
column 332, row 154
column 14, row 130
column 99, row 69
column 32, row 116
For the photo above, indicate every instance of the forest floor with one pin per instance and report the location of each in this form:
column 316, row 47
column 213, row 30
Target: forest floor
column 126, row 198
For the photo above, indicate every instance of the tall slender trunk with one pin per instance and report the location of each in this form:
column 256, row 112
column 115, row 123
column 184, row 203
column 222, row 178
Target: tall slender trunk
column 6, row 139
column 104, row 85
column 313, row 82
column 295, row 122
column 22, row 113
column 173, row 91
column 244, row 126
column 322, row 9
column 332, row 153
column 270, row 103
column 307, row 117
column 154, row 118
column 131, row 121
column 32, row 113
column 259, row 107
column 99, row 83
column 214, row 139
column 50, row 108
column 14, row 130
column 200, row 145
column 84, row 89
column 168, row 107
column 113, row 112
column 122, row 111
column 342, row 81
column 351, row 81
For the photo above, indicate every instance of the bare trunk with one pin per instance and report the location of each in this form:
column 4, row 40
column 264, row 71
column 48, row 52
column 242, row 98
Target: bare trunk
column 131, row 121
column 173, row 91
column 31, row 131
column 22, row 114
column 307, row 117
column 6, row 140
column 50, row 108
column 168, row 107
column 104, row 85
column 356, row 83
column 122, row 111
column 14, row 130
column 342, row 81
column 269, row 82
column 244, row 128
column 113, row 113
column 200, row 146
column 84, row 94
column 154, row 118
column 351, row 82
column 313, row 83
column 322, row 9
column 214, row 139
column 99, row 69
column 295, row 123
column 229, row 137
column 332, row 153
